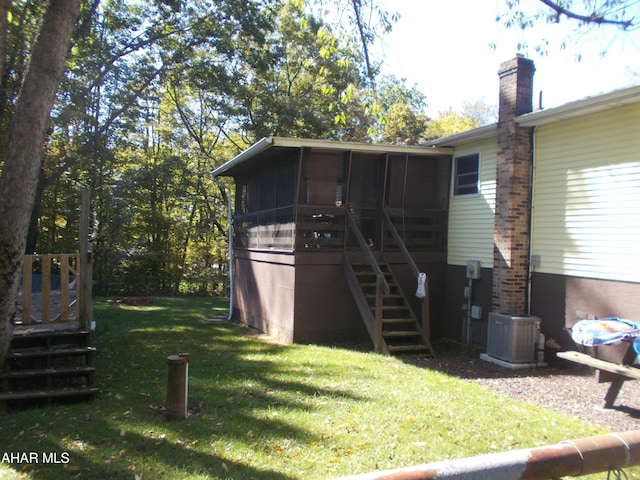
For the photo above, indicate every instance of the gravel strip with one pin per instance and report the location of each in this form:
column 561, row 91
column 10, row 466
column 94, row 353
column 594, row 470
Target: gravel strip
column 564, row 386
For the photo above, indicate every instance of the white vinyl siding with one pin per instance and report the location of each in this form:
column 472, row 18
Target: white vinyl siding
column 586, row 204
column 471, row 217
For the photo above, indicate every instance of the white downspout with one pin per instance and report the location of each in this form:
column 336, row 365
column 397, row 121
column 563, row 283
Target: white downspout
column 531, row 208
column 230, row 241
column 230, row 244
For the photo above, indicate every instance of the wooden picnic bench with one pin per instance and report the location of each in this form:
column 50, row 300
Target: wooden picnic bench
column 607, row 372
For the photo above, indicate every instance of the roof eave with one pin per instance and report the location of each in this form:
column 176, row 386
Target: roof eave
column 253, row 150
column 594, row 104
column 269, row 142
column 475, row 135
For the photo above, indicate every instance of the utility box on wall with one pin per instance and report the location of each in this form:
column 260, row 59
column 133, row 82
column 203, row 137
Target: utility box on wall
column 512, row 337
column 474, row 269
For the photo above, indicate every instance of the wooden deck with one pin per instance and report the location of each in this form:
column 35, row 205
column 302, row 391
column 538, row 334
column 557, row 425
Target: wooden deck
column 50, row 355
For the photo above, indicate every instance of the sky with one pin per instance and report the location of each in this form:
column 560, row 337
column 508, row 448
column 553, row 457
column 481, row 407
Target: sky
column 443, row 48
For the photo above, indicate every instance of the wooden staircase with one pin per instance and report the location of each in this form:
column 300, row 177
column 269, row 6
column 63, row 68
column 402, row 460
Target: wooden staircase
column 399, row 330
column 47, row 366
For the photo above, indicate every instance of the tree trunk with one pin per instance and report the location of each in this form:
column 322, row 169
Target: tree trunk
column 19, row 176
column 4, row 28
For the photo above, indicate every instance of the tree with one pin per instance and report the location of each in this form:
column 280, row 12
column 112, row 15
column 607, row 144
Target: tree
column 156, row 95
column 360, row 22
column 471, row 115
column 403, row 119
column 403, row 125
column 304, row 82
column 25, row 138
column 622, row 15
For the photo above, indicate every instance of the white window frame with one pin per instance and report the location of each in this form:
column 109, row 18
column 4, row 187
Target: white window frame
column 456, row 185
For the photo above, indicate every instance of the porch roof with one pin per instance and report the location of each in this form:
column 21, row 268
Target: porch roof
column 286, row 142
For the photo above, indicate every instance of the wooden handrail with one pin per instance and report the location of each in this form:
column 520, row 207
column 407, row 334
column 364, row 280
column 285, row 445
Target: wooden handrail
column 424, row 302
column 379, row 341
column 400, row 244
column 351, row 223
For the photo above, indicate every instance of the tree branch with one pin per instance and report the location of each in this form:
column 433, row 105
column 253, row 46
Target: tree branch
column 593, row 18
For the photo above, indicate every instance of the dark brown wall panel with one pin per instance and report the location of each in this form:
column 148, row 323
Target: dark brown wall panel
column 560, row 301
column 455, row 316
column 264, row 292
column 325, row 311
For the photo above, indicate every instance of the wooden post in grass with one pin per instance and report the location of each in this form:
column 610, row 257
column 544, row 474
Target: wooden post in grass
column 83, row 286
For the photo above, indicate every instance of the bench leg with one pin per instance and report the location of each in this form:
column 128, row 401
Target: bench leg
column 612, row 393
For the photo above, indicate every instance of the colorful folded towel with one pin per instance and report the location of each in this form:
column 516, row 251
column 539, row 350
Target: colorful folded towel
column 605, row 331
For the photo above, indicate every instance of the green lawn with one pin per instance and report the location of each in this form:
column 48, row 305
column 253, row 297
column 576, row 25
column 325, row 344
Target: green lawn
column 260, row 410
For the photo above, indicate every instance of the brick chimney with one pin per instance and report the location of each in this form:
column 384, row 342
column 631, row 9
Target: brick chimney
column 511, row 232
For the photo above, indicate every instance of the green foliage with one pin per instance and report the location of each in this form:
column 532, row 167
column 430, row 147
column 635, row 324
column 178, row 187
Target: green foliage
column 158, row 94
column 262, row 410
column 448, row 123
column 403, row 125
column 471, row 115
column 619, row 14
column 402, row 118
column 308, row 88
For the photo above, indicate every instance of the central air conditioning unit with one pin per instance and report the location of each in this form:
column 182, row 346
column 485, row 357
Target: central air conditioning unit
column 512, row 337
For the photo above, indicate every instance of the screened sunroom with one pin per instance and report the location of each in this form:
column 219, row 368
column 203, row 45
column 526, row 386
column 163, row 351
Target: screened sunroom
column 327, row 236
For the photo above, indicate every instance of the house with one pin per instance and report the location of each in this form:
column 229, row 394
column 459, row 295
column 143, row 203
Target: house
column 554, row 216
column 536, row 214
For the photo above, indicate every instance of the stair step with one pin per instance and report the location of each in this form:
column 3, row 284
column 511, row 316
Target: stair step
column 406, row 349
column 34, row 339
column 401, row 333
column 30, row 333
column 386, row 321
column 364, row 285
column 394, row 296
column 398, row 311
column 402, row 328
column 42, row 372
column 48, row 352
column 49, row 393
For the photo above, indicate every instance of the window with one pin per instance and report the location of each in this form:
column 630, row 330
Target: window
column 466, row 174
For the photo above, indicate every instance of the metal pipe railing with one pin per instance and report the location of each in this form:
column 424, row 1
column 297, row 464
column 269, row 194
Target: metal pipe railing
column 584, row 456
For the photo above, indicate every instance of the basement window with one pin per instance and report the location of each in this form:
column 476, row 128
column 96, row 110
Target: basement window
column 466, row 174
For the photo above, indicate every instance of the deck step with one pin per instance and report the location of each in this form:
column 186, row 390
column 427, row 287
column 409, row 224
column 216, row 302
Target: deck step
column 84, row 391
column 409, row 349
column 392, row 321
column 49, row 352
column 401, row 333
column 43, row 372
column 46, row 365
column 33, row 333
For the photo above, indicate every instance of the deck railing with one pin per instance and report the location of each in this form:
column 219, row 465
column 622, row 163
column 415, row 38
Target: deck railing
column 421, row 230
column 50, row 305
